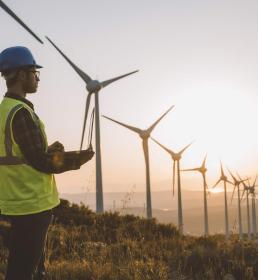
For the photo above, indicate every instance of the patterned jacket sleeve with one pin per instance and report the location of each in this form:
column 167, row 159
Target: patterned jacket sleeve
column 28, row 136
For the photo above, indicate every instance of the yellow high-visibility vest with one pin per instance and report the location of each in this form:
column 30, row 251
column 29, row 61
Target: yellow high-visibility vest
column 23, row 189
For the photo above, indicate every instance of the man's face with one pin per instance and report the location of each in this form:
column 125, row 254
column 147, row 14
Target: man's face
column 30, row 80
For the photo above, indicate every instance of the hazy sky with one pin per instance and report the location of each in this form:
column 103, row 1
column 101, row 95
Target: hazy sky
column 201, row 56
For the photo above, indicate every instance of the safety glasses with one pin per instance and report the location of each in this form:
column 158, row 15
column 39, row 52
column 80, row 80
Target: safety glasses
column 36, row 73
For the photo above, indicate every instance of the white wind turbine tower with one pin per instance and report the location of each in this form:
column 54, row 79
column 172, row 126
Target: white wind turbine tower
column 93, row 87
column 237, row 185
column 253, row 194
column 145, row 135
column 14, row 16
column 176, row 165
column 202, row 169
column 225, row 180
column 246, row 189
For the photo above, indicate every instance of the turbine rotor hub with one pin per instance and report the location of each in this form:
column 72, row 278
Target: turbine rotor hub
column 144, row 134
column 224, row 178
column 176, row 157
column 93, row 86
column 203, row 170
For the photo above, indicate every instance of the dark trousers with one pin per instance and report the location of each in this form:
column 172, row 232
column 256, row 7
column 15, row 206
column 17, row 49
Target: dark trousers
column 27, row 246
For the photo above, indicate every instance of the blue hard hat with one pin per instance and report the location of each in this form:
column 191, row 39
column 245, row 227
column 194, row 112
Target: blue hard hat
column 16, row 57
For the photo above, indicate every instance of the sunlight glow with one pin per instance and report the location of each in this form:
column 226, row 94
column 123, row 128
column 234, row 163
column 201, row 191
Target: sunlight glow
column 216, row 190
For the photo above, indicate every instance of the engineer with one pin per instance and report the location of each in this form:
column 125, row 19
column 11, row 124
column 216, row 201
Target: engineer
column 28, row 191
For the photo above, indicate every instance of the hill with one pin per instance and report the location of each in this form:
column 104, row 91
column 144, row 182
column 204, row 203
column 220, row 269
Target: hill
column 165, row 208
column 83, row 245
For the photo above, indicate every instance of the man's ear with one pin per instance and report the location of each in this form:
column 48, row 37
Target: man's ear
column 21, row 75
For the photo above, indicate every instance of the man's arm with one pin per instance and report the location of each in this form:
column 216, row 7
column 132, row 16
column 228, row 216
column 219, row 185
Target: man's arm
column 31, row 142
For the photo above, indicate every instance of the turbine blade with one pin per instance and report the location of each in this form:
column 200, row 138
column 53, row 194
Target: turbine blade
column 85, row 118
column 162, row 146
column 239, row 177
column 180, row 152
column 242, row 180
column 82, row 74
column 174, row 171
column 242, row 195
column 206, row 186
column 191, row 169
column 14, row 16
column 158, row 120
column 233, row 177
column 204, row 161
column 233, row 194
column 216, row 183
column 204, row 180
column 107, row 82
column 221, row 170
column 135, row 129
column 145, row 150
column 230, row 182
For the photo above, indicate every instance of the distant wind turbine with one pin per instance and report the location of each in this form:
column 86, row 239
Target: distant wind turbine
column 237, row 185
column 253, row 194
column 225, row 180
column 145, row 135
column 202, row 169
column 176, row 164
column 93, row 87
column 14, row 16
column 246, row 189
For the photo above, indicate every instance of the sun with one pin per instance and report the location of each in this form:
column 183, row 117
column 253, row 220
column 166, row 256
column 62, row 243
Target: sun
column 216, row 190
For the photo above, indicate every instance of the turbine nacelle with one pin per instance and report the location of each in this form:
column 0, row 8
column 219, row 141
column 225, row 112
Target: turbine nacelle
column 223, row 178
column 176, row 157
column 203, row 170
column 252, row 190
column 94, row 86
column 237, row 183
column 144, row 134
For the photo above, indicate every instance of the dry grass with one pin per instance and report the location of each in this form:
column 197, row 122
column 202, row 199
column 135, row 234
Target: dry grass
column 84, row 245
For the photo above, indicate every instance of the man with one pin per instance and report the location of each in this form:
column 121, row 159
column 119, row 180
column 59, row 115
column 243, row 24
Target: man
column 27, row 185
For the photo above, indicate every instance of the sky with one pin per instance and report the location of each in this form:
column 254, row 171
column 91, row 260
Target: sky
column 200, row 56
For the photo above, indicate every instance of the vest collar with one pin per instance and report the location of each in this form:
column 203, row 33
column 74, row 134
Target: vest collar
column 17, row 97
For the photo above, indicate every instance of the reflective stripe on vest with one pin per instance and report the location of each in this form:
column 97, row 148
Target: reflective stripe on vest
column 9, row 159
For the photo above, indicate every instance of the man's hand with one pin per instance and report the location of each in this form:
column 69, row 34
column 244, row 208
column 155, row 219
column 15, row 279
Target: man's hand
column 78, row 157
column 56, row 147
column 86, row 155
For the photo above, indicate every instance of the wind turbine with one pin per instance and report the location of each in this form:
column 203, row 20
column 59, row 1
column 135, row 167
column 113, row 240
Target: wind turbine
column 202, row 169
column 93, row 87
column 252, row 192
column 14, row 16
column 145, row 135
column 225, row 180
column 176, row 164
column 246, row 189
column 237, row 185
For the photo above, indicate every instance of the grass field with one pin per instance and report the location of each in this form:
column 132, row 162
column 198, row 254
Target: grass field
column 89, row 246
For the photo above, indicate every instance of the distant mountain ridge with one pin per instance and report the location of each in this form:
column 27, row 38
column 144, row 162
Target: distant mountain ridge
column 160, row 199
column 165, row 208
